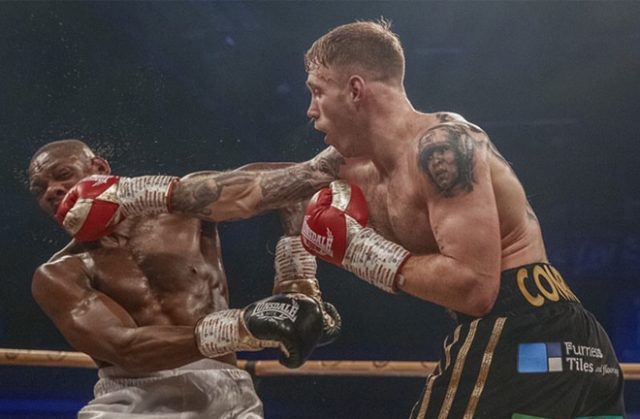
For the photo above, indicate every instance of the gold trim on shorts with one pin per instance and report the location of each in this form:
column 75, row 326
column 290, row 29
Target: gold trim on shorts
column 432, row 377
column 484, row 369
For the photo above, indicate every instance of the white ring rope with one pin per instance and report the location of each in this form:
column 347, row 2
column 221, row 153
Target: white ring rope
column 43, row 358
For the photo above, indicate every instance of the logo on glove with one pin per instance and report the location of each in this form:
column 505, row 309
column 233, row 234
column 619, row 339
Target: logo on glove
column 278, row 311
column 322, row 244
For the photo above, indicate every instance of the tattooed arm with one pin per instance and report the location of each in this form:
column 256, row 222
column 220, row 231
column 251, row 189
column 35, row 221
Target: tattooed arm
column 245, row 192
column 464, row 276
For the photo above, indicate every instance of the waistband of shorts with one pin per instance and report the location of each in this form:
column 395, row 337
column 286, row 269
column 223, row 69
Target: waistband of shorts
column 114, row 378
column 113, row 371
column 527, row 288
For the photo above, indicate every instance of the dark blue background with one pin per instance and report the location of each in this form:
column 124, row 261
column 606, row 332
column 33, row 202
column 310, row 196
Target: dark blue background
column 175, row 87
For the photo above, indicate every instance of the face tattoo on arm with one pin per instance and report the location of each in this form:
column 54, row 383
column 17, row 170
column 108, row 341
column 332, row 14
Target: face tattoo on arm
column 446, row 156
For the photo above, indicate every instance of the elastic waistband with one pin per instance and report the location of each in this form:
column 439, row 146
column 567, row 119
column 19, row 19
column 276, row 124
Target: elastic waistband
column 203, row 364
column 113, row 378
column 529, row 287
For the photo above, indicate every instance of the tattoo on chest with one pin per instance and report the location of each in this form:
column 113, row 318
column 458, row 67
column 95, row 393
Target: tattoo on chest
column 446, row 157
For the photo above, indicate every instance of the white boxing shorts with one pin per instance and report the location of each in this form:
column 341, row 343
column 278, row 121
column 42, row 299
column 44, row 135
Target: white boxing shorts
column 203, row 389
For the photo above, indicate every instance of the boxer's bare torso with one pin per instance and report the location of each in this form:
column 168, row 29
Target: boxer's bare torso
column 132, row 298
column 156, row 271
column 445, row 193
column 163, row 270
column 397, row 201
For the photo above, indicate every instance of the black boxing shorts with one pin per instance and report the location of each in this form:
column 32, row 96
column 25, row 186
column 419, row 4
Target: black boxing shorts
column 538, row 355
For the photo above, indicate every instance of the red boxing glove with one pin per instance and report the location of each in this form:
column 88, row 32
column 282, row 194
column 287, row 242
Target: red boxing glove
column 98, row 203
column 327, row 218
column 334, row 229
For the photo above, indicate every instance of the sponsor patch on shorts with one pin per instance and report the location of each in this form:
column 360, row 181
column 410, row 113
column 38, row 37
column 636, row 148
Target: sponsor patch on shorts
column 539, row 357
column 549, row 357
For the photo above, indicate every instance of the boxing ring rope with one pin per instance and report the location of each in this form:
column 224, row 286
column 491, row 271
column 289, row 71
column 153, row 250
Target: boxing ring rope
column 43, row 358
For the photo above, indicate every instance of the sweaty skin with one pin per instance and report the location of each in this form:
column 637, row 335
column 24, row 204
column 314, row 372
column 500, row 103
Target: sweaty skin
column 132, row 298
column 450, row 219
column 434, row 183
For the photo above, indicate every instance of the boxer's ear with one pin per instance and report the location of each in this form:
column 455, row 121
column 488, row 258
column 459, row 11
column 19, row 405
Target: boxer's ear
column 100, row 166
column 356, row 88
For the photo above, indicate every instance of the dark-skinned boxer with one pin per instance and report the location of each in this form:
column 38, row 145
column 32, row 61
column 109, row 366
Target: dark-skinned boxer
column 147, row 299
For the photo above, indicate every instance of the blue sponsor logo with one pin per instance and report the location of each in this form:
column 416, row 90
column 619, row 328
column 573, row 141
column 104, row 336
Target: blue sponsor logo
column 539, row 357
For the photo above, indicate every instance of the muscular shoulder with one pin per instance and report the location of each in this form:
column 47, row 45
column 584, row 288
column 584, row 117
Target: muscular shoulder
column 443, row 117
column 456, row 119
column 74, row 258
column 449, row 153
column 68, row 266
column 63, row 267
column 60, row 281
column 73, row 248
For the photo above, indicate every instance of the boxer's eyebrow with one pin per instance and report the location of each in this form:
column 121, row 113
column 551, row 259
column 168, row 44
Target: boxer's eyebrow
column 35, row 184
column 39, row 168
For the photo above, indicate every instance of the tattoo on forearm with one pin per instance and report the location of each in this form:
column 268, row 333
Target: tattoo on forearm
column 328, row 163
column 202, row 192
column 279, row 187
column 283, row 187
column 446, row 157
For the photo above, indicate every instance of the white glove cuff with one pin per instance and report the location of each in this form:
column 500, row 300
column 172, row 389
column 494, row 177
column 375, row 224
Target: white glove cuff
column 145, row 195
column 218, row 333
column 375, row 259
column 223, row 332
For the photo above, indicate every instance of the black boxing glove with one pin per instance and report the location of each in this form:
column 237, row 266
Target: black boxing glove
column 291, row 322
column 295, row 272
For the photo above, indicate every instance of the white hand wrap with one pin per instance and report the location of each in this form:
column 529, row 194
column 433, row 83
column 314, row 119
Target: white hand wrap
column 296, row 273
column 295, row 268
column 223, row 332
column 372, row 257
column 145, row 195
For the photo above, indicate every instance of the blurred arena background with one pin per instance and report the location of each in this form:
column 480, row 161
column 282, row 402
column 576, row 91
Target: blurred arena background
column 175, row 87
